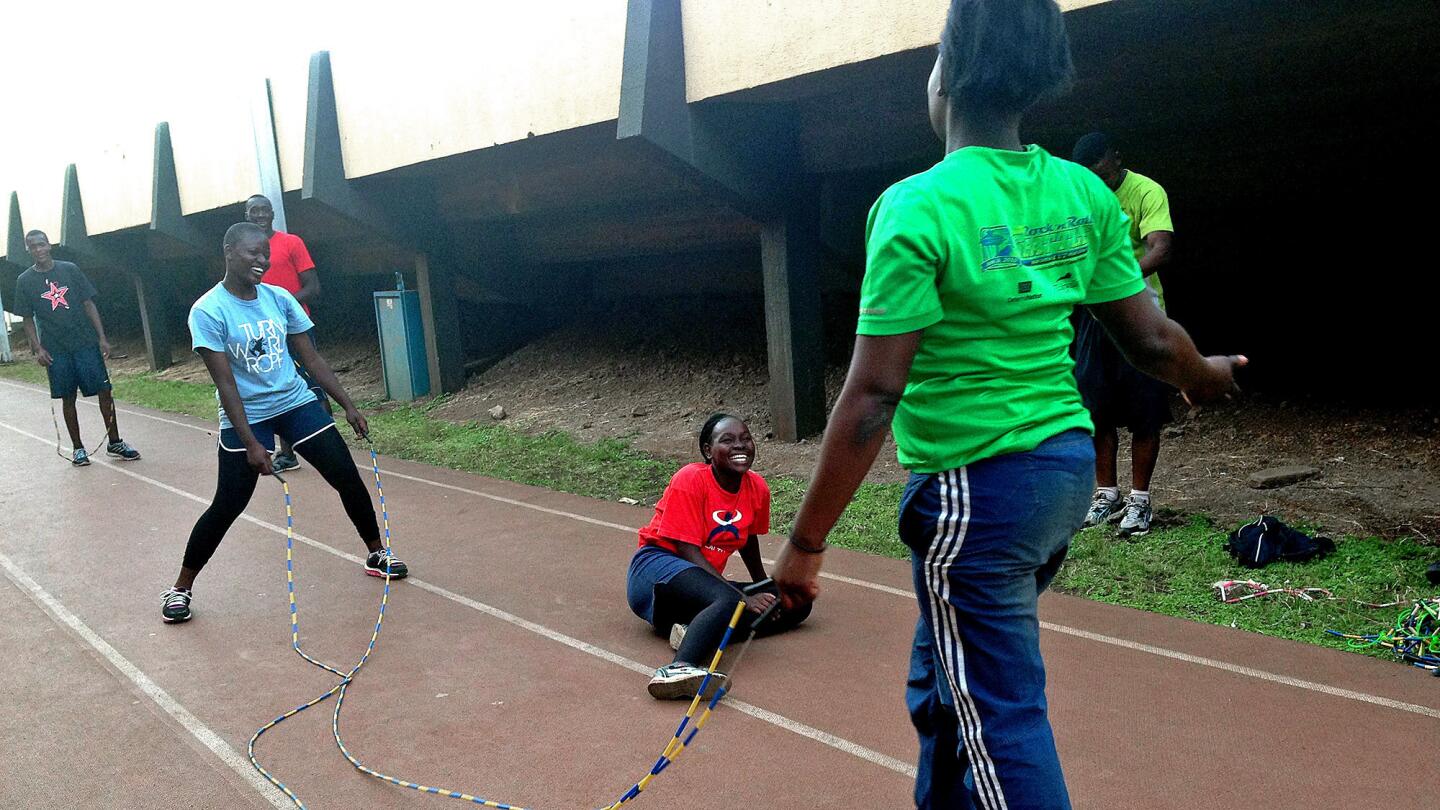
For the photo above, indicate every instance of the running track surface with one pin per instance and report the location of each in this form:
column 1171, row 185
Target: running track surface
column 510, row 667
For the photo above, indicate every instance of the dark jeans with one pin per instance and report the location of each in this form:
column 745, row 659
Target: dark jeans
column 986, row 539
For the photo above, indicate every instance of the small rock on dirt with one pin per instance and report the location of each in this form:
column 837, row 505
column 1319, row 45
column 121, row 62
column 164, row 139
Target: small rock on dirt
column 1282, row 476
column 498, row 412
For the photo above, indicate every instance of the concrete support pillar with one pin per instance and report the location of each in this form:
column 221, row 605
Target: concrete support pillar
column 790, row 256
column 440, row 312
column 152, row 319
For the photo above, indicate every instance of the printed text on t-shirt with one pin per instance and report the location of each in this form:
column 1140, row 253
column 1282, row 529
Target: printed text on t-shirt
column 262, row 348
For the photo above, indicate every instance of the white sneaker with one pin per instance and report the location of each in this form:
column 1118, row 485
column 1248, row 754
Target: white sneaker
column 1102, row 509
column 1137, row 516
column 677, row 636
column 676, row 681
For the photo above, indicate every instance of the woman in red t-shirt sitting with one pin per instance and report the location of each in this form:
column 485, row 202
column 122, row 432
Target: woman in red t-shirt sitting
column 709, row 511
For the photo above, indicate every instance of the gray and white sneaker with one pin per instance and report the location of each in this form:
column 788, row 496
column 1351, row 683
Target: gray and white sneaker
column 677, row 636
column 1102, row 509
column 679, row 680
column 1136, row 518
column 175, row 605
column 122, row 450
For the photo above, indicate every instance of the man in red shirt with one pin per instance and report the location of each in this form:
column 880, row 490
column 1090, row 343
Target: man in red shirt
column 291, row 269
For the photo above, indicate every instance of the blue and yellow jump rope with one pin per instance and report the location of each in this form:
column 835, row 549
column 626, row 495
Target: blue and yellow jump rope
column 677, row 744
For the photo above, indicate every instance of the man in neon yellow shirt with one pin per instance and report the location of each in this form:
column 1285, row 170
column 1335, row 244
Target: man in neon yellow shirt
column 1116, row 393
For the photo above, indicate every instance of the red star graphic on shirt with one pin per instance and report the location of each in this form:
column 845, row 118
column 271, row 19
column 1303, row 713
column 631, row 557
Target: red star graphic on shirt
column 56, row 296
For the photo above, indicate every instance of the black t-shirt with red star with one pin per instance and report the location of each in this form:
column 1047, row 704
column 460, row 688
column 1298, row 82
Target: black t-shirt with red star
column 55, row 298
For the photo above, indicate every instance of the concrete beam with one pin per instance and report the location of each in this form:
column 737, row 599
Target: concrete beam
column 790, row 259
column 267, row 153
column 76, row 241
column 74, row 236
column 15, row 252
column 166, row 217
column 748, row 157
column 735, row 157
column 440, row 315
column 152, row 320
column 323, row 180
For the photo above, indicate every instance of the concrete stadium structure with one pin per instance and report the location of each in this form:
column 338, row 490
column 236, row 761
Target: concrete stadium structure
column 650, row 147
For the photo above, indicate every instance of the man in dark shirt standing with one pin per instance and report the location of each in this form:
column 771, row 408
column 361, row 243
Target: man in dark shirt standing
column 70, row 341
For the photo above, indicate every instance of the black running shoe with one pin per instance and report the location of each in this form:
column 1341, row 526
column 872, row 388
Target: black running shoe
column 376, row 563
column 175, row 605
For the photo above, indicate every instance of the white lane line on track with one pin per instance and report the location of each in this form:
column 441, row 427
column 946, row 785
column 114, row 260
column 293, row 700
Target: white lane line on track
column 764, row 715
column 207, row 737
column 1249, row 672
column 1176, row 655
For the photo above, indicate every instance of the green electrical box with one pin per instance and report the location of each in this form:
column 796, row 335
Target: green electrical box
column 403, row 359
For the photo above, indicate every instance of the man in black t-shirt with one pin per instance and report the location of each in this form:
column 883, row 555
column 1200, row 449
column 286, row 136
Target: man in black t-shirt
column 70, row 341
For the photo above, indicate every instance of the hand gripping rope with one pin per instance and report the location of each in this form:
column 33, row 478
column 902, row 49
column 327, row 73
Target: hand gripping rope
column 676, row 745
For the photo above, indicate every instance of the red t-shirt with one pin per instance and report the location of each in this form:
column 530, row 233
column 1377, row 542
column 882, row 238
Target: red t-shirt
column 695, row 510
column 288, row 259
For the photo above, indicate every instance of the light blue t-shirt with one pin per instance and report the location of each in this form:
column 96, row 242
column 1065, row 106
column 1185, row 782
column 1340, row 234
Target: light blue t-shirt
column 253, row 335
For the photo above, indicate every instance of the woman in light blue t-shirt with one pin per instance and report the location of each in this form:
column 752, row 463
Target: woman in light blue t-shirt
column 246, row 332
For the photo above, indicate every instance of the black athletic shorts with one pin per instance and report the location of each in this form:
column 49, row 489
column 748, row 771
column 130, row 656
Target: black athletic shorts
column 83, row 369
column 1117, row 394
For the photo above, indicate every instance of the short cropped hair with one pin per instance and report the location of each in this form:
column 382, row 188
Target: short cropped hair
column 1092, row 149
column 1005, row 55
column 239, row 230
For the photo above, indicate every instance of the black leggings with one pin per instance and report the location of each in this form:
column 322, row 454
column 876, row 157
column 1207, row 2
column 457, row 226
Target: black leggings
column 326, row 453
column 695, row 597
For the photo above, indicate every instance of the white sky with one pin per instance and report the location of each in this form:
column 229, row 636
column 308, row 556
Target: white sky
column 78, row 70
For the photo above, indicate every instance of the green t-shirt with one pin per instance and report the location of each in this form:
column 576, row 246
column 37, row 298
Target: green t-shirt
column 989, row 252
column 1148, row 207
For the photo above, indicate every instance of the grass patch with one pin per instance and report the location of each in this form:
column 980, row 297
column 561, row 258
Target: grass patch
column 23, row 371
column 869, row 523
column 148, row 390
column 608, row 469
column 1169, row 571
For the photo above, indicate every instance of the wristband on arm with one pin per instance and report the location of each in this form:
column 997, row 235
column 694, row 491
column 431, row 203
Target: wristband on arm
column 808, row 549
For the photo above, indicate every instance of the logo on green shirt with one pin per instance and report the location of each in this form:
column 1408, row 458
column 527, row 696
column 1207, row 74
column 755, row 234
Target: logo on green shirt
column 1001, row 249
column 997, row 249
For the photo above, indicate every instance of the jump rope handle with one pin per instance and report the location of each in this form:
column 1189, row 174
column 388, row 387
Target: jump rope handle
column 757, row 587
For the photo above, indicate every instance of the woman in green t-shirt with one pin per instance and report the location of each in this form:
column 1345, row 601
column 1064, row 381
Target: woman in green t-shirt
column 972, row 271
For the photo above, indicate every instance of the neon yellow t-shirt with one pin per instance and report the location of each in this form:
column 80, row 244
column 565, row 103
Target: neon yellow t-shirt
column 1148, row 206
column 988, row 252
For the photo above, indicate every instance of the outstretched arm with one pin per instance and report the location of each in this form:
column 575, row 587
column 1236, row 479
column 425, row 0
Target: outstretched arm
column 303, row 350
column 878, row 371
column 1160, row 347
